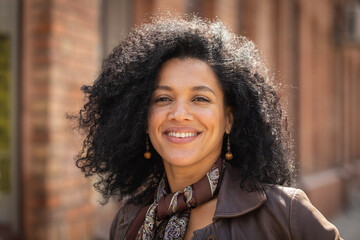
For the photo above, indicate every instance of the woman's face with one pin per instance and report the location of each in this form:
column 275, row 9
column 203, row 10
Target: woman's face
column 187, row 116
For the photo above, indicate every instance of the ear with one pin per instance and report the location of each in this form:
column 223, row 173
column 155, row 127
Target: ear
column 229, row 119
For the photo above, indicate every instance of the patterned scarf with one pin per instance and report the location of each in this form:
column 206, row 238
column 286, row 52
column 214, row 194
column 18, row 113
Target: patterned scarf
column 168, row 215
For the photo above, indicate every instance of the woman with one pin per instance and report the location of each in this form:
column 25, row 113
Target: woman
column 185, row 127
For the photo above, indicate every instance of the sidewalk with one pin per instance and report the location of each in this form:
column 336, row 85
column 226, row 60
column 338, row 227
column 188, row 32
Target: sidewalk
column 348, row 222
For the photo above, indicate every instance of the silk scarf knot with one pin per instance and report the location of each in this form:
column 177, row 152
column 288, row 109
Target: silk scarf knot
column 167, row 217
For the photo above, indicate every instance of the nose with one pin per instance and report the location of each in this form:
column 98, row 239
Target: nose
column 180, row 112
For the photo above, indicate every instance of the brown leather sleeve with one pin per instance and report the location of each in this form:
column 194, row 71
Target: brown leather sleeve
column 306, row 222
column 122, row 221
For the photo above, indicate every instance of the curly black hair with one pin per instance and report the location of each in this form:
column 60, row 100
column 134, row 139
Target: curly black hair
column 114, row 116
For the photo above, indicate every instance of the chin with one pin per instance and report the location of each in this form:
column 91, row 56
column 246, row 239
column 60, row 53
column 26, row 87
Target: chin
column 180, row 161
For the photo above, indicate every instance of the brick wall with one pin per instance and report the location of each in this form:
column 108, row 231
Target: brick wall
column 60, row 53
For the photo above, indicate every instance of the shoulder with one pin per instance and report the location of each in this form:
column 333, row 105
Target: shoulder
column 305, row 221
column 122, row 220
column 283, row 196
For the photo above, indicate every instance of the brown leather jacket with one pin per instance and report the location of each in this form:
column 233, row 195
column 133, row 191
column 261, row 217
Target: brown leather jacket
column 274, row 213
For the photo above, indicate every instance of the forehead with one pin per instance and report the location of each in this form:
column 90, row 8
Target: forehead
column 187, row 72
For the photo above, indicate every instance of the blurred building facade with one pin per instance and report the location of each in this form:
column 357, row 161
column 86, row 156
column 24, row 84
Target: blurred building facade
column 50, row 48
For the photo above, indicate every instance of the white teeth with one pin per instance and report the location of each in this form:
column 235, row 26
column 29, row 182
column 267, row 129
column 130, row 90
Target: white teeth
column 181, row 135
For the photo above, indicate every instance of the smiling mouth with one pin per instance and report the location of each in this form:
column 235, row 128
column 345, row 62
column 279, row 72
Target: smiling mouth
column 182, row 134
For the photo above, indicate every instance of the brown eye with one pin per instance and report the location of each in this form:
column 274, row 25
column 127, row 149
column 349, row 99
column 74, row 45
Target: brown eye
column 201, row 99
column 162, row 99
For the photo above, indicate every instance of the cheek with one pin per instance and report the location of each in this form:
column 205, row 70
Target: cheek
column 212, row 118
column 155, row 118
column 152, row 126
column 150, row 120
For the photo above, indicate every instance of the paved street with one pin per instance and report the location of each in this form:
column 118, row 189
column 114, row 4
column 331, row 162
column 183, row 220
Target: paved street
column 348, row 222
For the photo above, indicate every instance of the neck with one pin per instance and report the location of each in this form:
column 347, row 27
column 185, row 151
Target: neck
column 179, row 177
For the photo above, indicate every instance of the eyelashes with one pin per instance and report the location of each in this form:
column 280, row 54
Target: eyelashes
column 201, row 99
column 168, row 99
column 162, row 99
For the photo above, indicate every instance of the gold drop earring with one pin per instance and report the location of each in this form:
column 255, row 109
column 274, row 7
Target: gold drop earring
column 147, row 154
column 228, row 155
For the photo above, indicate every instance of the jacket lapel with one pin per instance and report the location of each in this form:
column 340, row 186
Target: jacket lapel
column 234, row 201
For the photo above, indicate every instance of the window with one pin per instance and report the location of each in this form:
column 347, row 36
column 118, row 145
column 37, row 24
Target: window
column 4, row 114
column 9, row 201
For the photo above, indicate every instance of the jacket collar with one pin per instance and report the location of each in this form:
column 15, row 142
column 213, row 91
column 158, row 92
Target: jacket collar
column 234, row 201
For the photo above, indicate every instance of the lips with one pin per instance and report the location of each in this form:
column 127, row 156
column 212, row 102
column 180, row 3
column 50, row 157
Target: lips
column 181, row 134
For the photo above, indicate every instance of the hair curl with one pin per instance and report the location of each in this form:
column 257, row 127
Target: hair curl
column 114, row 117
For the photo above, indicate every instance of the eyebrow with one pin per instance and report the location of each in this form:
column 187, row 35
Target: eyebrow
column 202, row 88
column 196, row 88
